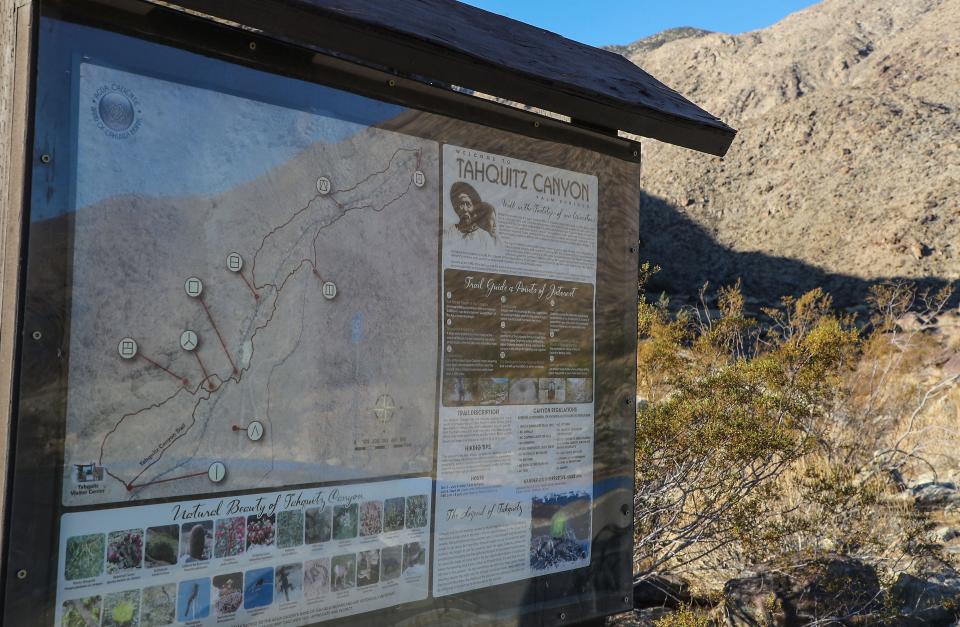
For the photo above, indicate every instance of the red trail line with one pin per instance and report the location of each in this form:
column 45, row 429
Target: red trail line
column 223, row 344
column 182, row 380
column 205, row 375
column 132, row 486
column 250, row 287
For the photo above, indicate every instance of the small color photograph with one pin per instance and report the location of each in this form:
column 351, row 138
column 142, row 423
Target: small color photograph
column 492, row 390
column 316, row 578
column 258, row 588
column 87, row 473
column 124, row 550
column 579, row 390
column 162, row 545
column 414, row 559
column 230, row 537
column 288, row 584
column 318, row 525
column 559, row 530
column 83, row 612
column 522, row 392
column 159, row 606
column 290, row 528
column 121, row 609
column 416, row 511
column 552, row 390
column 391, row 562
column 343, row 572
column 393, row 517
column 371, row 518
column 84, row 557
column 261, row 532
column 196, row 541
column 368, row 567
column 228, row 590
column 345, row 521
column 193, row 600
column 459, row 391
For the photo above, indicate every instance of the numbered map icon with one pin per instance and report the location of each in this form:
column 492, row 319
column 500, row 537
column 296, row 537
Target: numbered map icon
column 329, row 290
column 323, row 186
column 217, row 472
column 419, row 179
column 234, row 262
column 189, row 340
column 127, row 348
column 255, row 430
column 193, row 287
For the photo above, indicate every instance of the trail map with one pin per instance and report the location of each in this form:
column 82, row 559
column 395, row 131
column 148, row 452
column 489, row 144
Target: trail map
column 242, row 324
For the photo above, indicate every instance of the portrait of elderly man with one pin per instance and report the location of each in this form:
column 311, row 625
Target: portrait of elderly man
column 477, row 219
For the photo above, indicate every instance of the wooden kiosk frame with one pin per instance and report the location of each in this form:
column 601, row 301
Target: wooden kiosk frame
column 452, row 67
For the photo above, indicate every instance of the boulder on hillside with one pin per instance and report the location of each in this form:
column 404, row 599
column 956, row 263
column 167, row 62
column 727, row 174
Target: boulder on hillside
column 663, row 590
column 935, row 494
column 930, row 598
column 828, row 589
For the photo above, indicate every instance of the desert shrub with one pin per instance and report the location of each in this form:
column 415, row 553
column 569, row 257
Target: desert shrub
column 84, row 556
column 229, row 537
column 371, row 518
column 393, row 514
column 784, row 432
column 416, row 513
column 261, row 531
column 685, row 616
column 345, row 521
column 290, row 528
column 730, row 409
column 158, row 607
column 318, row 525
column 124, row 550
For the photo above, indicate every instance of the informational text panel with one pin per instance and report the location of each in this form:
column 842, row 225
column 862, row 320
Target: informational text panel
column 515, row 445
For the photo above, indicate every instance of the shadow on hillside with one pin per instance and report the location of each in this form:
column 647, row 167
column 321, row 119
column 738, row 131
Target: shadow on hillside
column 690, row 256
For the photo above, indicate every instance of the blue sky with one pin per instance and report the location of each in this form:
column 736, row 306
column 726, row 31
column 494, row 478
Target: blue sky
column 605, row 22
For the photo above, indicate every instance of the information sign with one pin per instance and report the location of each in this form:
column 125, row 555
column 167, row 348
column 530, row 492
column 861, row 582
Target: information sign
column 319, row 356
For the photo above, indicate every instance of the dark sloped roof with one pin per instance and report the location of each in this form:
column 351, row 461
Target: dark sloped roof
column 459, row 44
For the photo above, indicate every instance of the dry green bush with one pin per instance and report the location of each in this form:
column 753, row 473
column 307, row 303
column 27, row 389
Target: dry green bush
column 764, row 436
column 686, row 616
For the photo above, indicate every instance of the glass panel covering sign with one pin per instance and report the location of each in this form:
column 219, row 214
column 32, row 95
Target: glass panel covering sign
column 308, row 355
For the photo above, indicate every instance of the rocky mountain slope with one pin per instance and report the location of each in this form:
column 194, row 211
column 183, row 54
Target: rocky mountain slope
column 846, row 169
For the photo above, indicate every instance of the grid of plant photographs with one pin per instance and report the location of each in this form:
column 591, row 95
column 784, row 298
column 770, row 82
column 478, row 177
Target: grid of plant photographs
column 196, row 598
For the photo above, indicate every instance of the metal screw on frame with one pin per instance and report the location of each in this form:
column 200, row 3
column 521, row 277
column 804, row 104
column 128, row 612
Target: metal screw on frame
column 36, row 335
column 22, row 573
column 626, row 600
column 253, row 45
column 391, row 83
column 45, row 158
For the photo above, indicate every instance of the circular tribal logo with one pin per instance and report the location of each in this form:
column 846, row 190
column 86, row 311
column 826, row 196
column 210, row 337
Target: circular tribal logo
column 116, row 111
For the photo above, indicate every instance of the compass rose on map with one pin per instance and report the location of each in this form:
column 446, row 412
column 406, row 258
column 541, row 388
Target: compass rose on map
column 384, row 408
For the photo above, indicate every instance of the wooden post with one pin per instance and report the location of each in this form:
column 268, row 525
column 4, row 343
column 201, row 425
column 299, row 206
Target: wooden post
column 16, row 45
